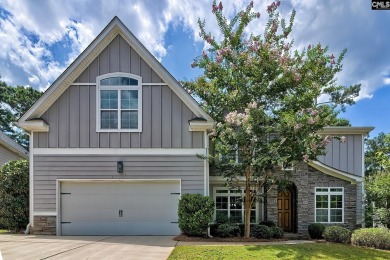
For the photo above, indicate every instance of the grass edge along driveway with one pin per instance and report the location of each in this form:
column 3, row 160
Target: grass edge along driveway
column 303, row 251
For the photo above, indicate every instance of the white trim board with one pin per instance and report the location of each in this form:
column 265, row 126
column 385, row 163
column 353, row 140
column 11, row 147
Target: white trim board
column 119, row 151
column 44, row 213
column 335, row 173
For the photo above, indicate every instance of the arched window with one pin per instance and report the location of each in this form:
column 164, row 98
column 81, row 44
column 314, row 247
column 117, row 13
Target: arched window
column 119, row 103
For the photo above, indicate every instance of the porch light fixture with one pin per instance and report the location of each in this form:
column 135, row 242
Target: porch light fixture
column 119, row 167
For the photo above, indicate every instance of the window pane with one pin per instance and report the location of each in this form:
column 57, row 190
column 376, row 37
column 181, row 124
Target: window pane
column 322, row 201
column 336, row 189
column 222, row 191
column 253, row 216
column 133, row 82
column 114, row 81
column 321, row 215
column 109, row 120
column 104, row 82
column 129, row 119
column 336, row 215
column 336, row 201
column 221, row 202
column 236, row 216
column 125, row 81
column 109, row 99
column 321, row 189
column 221, row 214
column 235, row 203
column 129, row 99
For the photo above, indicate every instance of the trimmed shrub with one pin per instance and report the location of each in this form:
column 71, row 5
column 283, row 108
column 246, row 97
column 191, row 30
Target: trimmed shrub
column 276, row 232
column 316, row 230
column 261, row 231
column 337, row 234
column 372, row 237
column 14, row 192
column 228, row 230
column 242, row 228
column 213, row 229
column 268, row 223
column 381, row 217
column 195, row 214
column 222, row 219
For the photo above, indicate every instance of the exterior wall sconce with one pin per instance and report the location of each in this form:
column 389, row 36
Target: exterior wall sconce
column 119, row 167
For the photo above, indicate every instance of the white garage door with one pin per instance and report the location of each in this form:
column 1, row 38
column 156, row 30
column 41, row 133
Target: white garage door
column 120, row 208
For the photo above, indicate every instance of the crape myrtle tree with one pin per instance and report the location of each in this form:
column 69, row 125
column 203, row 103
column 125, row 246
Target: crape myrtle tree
column 263, row 96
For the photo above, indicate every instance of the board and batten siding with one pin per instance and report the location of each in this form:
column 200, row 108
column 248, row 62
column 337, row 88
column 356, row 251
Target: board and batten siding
column 346, row 156
column 49, row 168
column 72, row 118
column 7, row 155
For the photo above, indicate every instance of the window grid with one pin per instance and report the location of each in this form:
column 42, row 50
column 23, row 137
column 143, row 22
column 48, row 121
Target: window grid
column 329, row 205
column 123, row 114
column 231, row 204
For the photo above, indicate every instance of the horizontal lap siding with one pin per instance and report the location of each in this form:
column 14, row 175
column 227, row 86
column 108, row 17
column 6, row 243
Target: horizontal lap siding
column 72, row 118
column 47, row 169
column 7, row 155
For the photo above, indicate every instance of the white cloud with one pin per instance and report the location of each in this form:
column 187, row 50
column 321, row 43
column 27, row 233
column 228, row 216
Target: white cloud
column 341, row 24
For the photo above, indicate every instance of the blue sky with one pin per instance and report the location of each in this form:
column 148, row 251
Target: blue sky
column 38, row 41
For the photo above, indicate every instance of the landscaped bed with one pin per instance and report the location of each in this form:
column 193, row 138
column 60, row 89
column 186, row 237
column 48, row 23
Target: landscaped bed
column 303, row 251
column 185, row 238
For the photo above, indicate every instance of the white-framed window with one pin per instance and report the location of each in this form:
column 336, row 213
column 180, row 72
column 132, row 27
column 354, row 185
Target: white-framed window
column 329, row 204
column 119, row 103
column 229, row 203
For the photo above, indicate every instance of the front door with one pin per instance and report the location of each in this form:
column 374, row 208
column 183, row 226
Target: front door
column 284, row 210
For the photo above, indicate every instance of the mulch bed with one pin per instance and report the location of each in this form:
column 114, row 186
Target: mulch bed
column 185, row 238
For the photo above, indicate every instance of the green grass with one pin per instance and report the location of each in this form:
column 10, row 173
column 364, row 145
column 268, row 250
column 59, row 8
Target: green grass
column 302, row 251
column 2, row 231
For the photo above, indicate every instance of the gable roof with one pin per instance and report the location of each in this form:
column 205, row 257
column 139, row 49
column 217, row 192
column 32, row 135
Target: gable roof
column 31, row 119
column 336, row 173
column 13, row 146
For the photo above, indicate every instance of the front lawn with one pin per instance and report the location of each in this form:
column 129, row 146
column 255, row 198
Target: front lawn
column 302, row 251
column 2, row 231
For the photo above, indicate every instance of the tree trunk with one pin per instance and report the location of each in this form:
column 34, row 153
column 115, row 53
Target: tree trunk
column 248, row 206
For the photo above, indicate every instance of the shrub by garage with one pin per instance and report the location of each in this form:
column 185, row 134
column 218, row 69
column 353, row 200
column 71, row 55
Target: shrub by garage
column 195, row 214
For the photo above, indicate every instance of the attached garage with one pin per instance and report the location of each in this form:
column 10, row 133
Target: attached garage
column 118, row 207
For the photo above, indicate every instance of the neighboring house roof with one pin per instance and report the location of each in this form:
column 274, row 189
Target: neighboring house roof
column 31, row 119
column 335, row 172
column 13, row 146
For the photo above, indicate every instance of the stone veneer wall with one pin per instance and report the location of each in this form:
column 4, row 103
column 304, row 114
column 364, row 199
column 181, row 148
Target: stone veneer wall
column 44, row 225
column 306, row 178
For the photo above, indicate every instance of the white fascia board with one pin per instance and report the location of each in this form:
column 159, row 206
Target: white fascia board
column 119, row 151
column 347, row 130
column 200, row 126
column 13, row 146
column 38, row 125
column 335, row 173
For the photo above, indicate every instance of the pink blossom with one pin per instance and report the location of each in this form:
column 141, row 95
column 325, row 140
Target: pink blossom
column 309, row 47
column 327, row 140
column 215, row 8
column 220, row 6
column 332, row 62
column 251, row 4
column 252, row 105
column 193, row 64
column 310, row 121
column 277, row 3
column 297, row 77
column 332, row 56
column 204, row 54
column 297, row 127
column 343, row 139
column 305, row 157
column 219, row 124
column 219, row 59
column 314, row 112
column 258, row 15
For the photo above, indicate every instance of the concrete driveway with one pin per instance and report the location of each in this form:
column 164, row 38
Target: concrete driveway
column 85, row 247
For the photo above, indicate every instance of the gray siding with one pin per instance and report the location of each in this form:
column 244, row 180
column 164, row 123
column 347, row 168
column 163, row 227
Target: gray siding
column 72, row 118
column 7, row 155
column 47, row 169
column 346, row 156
